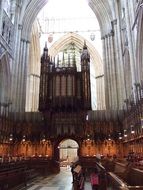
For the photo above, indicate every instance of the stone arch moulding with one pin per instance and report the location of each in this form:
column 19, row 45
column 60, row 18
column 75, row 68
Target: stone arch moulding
column 61, row 139
column 79, row 41
column 100, row 8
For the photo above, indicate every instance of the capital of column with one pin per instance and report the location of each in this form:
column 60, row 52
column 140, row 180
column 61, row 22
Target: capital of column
column 28, row 42
column 23, row 40
column 103, row 38
column 114, row 22
column 111, row 33
column 20, row 26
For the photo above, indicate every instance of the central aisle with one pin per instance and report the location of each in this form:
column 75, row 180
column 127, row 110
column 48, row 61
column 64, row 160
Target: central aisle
column 61, row 181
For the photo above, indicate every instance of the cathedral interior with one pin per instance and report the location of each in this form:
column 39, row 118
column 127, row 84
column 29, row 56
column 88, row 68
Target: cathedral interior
column 71, row 93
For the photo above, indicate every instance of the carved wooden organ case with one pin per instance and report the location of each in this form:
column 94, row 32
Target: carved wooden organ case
column 64, row 93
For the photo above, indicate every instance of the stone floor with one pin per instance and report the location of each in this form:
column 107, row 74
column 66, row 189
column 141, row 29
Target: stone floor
column 61, row 181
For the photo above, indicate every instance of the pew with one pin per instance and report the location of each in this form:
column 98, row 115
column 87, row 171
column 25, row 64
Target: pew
column 116, row 183
column 123, row 175
column 15, row 175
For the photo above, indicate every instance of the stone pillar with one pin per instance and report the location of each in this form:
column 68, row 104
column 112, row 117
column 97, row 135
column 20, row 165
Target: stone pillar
column 131, row 44
column 36, row 92
column 12, row 10
column 22, row 63
column 25, row 75
column 27, row 94
column 105, row 72
column 119, row 65
column 19, row 74
column 22, row 75
column 1, row 13
column 100, row 92
column 139, row 46
column 109, row 71
column 15, row 68
column 113, row 71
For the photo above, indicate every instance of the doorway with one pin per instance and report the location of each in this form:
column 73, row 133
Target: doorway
column 68, row 150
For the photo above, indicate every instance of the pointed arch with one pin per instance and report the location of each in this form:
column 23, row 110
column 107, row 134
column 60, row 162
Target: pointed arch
column 79, row 41
column 101, row 9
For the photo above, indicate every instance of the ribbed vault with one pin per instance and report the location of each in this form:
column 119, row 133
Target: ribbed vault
column 79, row 41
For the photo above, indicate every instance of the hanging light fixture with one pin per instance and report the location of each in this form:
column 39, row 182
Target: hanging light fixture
column 92, row 36
column 50, row 38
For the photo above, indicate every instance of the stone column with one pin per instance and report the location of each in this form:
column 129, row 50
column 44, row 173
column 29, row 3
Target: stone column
column 131, row 44
column 100, row 92
column 25, row 75
column 119, row 65
column 21, row 77
column 113, row 71
column 12, row 9
column 105, row 71
column 15, row 70
column 27, row 93
column 37, row 92
column 139, row 42
column 110, row 71
column 1, row 13
column 19, row 74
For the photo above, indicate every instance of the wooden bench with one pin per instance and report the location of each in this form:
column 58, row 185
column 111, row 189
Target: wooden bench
column 15, row 175
column 114, row 182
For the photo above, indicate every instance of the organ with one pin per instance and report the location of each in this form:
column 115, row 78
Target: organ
column 65, row 95
column 62, row 87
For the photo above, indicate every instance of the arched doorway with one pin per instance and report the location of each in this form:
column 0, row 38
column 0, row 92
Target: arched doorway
column 68, row 152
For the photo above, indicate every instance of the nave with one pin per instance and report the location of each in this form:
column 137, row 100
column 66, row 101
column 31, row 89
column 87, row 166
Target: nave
column 60, row 181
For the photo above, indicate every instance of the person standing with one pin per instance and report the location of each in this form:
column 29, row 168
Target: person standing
column 94, row 178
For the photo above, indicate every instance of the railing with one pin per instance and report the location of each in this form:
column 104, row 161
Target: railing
column 116, row 183
column 102, row 176
column 7, row 35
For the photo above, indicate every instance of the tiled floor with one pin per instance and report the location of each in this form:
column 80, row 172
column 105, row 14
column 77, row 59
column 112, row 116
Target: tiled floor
column 61, row 181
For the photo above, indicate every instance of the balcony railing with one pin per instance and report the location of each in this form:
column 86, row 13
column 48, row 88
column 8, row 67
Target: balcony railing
column 6, row 35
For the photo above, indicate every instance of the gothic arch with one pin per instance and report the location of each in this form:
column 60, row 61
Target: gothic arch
column 29, row 11
column 100, row 8
column 79, row 41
